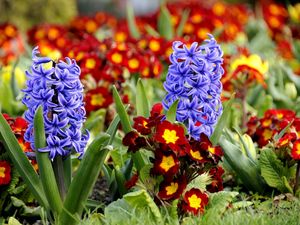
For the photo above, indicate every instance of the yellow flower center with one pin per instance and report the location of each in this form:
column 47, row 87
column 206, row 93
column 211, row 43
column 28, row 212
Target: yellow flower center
column 212, row 150
column 120, row 37
column 91, row 26
column 194, row 202
column 196, row 155
column 267, row 123
column 167, row 163
column 279, row 116
column 284, row 142
column 53, row 34
column 202, row 33
column 116, row 57
column 172, row 188
column 267, row 134
column 97, row 99
column 10, row 31
column 90, row 64
column 2, row 172
column 145, row 123
column 170, row 136
column 154, row 45
column 219, row 9
column 188, row 28
column 197, row 18
column 133, row 63
column 297, row 149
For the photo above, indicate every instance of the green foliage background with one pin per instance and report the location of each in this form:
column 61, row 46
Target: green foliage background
column 26, row 13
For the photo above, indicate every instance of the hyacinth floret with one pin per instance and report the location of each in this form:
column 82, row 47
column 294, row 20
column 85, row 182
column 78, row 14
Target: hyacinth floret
column 194, row 79
column 57, row 88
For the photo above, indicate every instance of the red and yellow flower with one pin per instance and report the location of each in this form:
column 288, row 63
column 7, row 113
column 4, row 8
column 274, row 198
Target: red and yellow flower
column 171, row 135
column 97, row 98
column 295, row 153
column 166, row 163
column 171, row 189
column 194, row 201
column 5, row 176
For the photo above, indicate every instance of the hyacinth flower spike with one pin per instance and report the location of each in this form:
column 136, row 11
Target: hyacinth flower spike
column 194, row 79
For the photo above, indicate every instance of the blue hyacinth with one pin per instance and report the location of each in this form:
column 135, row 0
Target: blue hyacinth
column 59, row 90
column 194, row 78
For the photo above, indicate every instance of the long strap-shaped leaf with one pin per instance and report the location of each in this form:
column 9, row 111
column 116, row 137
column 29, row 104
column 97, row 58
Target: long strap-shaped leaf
column 21, row 163
column 84, row 181
column 138, row 160
column 45, row 167
column 142, row 103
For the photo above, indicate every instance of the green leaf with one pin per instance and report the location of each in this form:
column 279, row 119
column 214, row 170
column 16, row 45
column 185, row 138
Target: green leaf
column 120, row 182
column 121, row 111
column 133, row 29
column 219, row 201
column 171, row 114
column 244, row 167
column 214, row 138
column 13, row 221
column 184, row 18
column 142, row 104
column 45, row 166
column 247, row 145
column 21, row 162
column 118, row 212
column 200, row 182
column 165, row 26
column 84, row 180
column 279, row 135
column 151, row 31
column 141, row 199
column 273, row 171
column 112, row 129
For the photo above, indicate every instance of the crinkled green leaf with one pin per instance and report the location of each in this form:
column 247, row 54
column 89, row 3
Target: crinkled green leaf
column 141, row 199
column 273, row 171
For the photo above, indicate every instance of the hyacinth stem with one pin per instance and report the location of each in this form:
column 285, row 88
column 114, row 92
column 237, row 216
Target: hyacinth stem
column 58, row 167
column 45, row 168
column 67, row 164
column 297, row 177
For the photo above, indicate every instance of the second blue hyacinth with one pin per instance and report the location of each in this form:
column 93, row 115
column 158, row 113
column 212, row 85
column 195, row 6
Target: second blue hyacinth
column 194, row 79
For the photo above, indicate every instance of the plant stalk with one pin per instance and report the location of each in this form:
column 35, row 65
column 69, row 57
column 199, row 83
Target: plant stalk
column 58, row 168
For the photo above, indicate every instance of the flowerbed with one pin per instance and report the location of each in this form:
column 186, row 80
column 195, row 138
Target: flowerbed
column 180, row 115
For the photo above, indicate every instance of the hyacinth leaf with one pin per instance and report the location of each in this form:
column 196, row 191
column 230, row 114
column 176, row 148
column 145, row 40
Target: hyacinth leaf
column 215, row 137
column 142, row 104
column 245, row 168
column 274, row 172
column 21, row 162
column 133, row 29
column 165, row 26
column 141, row 199
column 84, row 180
column 279, row 135
column 184, row 18
column 151, row 31
column 138, row 160
column 171, row 114
column 121, row 111
column 45, row 166
column 112, row 129
column 120, row 182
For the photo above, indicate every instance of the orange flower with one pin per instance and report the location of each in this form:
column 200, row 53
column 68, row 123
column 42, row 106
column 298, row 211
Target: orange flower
column 194, row 201
column 4, row 173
